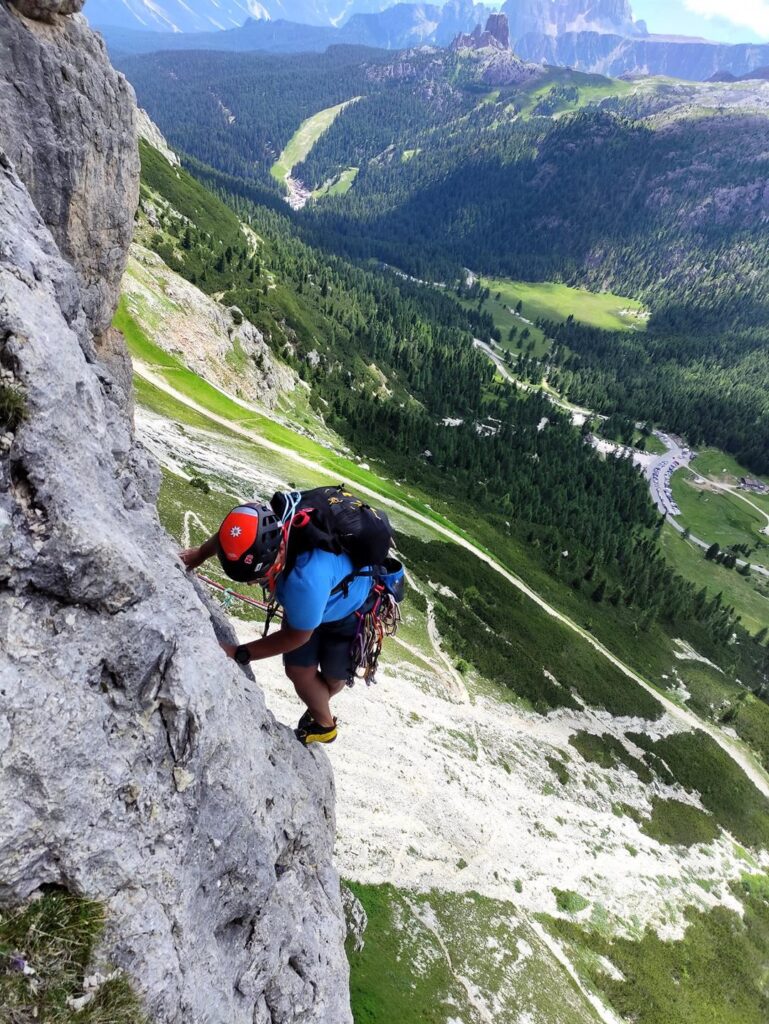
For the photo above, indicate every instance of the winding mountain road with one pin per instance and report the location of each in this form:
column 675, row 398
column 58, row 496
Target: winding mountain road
column 658, row 469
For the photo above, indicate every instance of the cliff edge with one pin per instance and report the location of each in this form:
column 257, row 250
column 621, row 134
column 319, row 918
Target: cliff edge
column 138, row 766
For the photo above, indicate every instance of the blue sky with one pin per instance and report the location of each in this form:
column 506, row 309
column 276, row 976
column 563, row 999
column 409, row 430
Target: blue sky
column 733, row 21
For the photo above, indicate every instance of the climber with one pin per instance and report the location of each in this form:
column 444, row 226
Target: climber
column 322, row 596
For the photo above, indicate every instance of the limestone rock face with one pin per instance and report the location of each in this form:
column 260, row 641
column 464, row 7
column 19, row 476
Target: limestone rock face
column 67, row 123
column 356, row 918
column 46, row 9
column 614, row 55
column 138, row 765
column 554, row 17
column 192, row 325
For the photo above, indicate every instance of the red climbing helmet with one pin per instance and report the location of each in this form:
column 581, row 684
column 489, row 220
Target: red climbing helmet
column 248, row 542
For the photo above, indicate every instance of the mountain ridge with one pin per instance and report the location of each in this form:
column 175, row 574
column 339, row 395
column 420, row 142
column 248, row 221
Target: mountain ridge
column 610, row 43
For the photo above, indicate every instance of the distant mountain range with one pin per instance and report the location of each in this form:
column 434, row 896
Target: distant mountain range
column 398, row 27
column 217, row 15
column 598, row 36
column 602, row 36
column 174, row 15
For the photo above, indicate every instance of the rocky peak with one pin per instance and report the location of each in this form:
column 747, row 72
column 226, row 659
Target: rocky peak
column 138, row 766
column 497, row 26
column 496, row 36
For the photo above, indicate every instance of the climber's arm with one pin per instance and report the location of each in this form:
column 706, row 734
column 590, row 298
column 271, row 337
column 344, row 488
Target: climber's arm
column 193, row 557
column 285, row 640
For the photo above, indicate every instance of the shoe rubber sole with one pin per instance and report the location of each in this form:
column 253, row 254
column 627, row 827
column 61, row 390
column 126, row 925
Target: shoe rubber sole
column 322, row 738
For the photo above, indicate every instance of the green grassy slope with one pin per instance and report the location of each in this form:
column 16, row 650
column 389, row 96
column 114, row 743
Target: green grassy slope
column 554, row 302
column 560, row 90
column 749, row 596
column 722, row 467
column 717, row 973
column 720, row 517
column 433, row 957
column 339, row 185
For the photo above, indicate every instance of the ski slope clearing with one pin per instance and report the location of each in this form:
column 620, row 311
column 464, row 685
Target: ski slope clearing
column 338, row 186
column 304, row 138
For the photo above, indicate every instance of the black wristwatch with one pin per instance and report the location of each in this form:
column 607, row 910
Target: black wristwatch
column 242, row 654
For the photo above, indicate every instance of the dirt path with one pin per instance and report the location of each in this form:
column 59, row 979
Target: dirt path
column 471, row 992
column 457, row 682
column 606, row 1015
column 742, row 757
column 189, row 516
column 432, row 665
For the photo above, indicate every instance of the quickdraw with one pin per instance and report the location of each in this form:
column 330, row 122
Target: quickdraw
column 379, row 621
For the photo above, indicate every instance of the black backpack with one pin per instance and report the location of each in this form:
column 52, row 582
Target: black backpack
column 335, row 520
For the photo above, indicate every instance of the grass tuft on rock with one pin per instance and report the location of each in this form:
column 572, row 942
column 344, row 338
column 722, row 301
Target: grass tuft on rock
column 569, row 902
column 12, row 407
column 46, row 947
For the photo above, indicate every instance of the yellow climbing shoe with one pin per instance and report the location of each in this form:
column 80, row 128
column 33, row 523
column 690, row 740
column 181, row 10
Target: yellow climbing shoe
column 311, row 732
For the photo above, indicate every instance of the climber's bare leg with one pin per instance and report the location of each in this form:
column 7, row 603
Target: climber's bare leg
column 315, row 691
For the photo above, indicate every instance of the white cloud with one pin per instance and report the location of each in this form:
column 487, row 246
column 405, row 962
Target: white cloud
column 753, row 14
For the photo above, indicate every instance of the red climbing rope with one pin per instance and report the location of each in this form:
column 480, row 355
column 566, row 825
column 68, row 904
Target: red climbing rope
column 264, row 605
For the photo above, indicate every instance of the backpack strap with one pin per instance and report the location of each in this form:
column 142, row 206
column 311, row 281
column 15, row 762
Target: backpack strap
column 343, row 587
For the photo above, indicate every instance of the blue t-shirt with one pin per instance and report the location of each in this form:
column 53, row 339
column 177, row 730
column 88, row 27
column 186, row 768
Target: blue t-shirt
column 305, row 593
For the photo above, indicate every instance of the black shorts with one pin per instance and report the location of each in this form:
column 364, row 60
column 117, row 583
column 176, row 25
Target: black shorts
column 329, row 648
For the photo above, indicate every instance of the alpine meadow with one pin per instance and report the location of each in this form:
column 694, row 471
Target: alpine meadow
column 384, row 514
